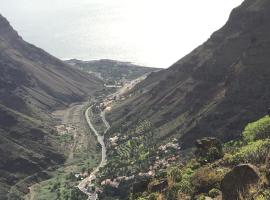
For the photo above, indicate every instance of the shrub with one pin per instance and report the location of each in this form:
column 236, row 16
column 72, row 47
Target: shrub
column 255, row 152
column 206, row 178
column 264, row 196
column 201, row 197
column 233, row 143
column 185, row 186
column 172, row 192
column 179, row 181
column 152, row 196
column 257, row 130
column 193, row 164
column 214, row 193
column 174, row 175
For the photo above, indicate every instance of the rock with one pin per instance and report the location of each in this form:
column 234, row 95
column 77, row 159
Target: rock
column 207, row 142
column 140, row 184
column 208, row 149
column 158, row 186
column 238, row 181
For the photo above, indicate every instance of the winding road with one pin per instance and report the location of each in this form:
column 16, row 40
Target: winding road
column 100, row 137
column 87, row 181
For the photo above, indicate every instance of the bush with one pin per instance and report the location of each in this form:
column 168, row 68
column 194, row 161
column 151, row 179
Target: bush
column 257, row 130
column 179, row 181
column 152, row 196
column 264, row 196
column 206, row 178
column 182, row 187
column 174, row 175
column 172, row 192
column 185, row 186
column 214, row 193
column 193, row 164
column 255, row 152
column 201, row 197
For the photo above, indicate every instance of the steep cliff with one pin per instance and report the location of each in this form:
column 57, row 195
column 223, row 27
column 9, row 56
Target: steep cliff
column 213, row 91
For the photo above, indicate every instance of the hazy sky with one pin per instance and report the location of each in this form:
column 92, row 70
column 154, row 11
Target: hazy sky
column 150, row 32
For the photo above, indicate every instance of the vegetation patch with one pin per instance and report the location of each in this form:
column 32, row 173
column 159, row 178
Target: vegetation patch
column 257, row 130
column 254, row 152
column 207, row 178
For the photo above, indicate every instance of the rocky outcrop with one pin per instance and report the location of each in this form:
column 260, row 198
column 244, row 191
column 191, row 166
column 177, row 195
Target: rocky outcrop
column 140, row 184
column 238, row 182
column 208, row 149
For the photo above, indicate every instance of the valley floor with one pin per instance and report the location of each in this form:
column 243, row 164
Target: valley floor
column 79, row 146
column 81, row 130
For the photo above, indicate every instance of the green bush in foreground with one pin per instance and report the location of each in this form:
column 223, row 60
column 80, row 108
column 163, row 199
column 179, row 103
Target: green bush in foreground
column 264, row 196
column 255, row 152
column 206, row 178
column 257, row 130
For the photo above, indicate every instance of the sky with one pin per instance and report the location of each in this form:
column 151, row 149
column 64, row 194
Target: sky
column 154, row 33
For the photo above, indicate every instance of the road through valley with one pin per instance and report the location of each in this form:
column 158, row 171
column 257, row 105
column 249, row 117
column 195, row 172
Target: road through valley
column 87, row 181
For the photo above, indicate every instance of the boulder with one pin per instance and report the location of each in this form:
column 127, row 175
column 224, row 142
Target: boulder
column 238, row 182
column 208, row 149
column 140, row 184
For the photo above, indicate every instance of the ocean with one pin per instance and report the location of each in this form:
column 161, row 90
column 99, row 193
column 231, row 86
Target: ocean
column 154, row 33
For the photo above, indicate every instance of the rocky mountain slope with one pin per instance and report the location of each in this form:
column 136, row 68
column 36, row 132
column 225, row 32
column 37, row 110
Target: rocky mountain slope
column 238, row 169
column 32, row 84
column 213, row 91
column 112, row 71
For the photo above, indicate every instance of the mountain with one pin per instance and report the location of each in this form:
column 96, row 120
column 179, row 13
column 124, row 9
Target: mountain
column 32, row 84
column 213, row 91
column 112, row 71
